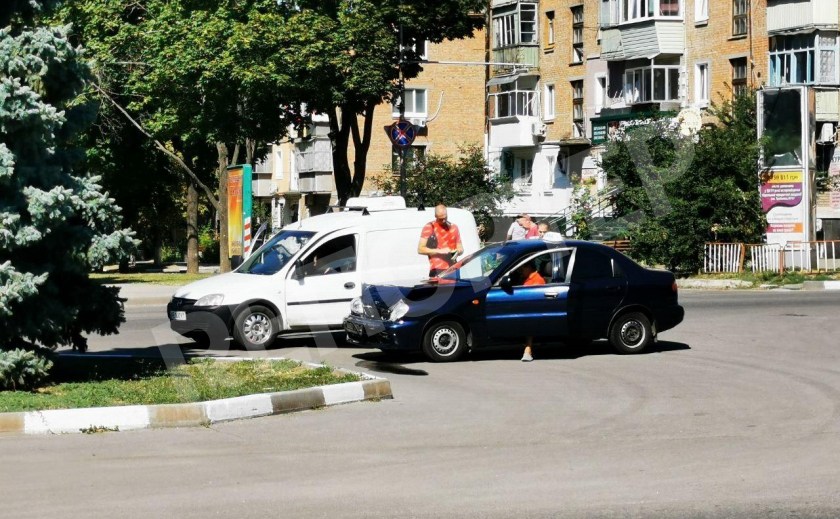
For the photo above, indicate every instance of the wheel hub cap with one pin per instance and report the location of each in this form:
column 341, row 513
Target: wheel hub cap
column 445, row 341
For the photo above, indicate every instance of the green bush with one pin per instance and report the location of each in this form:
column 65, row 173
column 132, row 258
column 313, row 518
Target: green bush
column 22, row 370
column 208, row 244
column 171, row 254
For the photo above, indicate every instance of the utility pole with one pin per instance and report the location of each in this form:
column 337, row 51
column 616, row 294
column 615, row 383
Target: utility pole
column 403, row 149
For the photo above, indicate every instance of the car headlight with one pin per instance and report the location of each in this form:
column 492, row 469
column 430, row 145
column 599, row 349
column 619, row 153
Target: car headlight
column 356, row 307
column 211, row 300
column 398, row 310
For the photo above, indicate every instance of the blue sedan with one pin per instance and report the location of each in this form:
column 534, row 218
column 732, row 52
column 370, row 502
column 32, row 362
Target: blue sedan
column 590, row 292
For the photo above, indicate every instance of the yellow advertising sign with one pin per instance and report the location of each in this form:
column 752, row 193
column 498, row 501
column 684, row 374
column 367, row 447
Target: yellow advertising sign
column 234, row 209
column 785, row 177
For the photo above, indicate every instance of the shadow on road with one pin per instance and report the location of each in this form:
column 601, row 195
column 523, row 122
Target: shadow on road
column 394, row 362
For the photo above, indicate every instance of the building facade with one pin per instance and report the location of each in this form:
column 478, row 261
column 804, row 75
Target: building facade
column 542, row 89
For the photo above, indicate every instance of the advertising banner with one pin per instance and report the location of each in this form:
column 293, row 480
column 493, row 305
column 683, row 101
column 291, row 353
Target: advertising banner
column 781, row 201
column 234, row 207
column 834, row 179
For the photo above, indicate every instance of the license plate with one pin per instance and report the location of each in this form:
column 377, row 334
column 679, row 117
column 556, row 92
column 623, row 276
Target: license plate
column 178, row 316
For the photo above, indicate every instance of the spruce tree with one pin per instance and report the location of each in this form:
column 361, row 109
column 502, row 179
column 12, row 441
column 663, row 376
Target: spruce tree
column 54, row 227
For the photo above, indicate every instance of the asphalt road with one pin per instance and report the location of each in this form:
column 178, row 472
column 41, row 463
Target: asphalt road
column 736, row 413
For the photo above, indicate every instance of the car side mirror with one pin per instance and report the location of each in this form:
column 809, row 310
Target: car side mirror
column 298, row 274
column 506, row 285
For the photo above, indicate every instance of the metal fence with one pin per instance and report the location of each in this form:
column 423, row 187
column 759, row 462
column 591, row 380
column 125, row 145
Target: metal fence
column 806, row 256
column 723, row 257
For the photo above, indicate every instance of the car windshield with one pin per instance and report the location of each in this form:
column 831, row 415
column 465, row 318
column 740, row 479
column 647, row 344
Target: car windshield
column 477, row 265
column 276, row 253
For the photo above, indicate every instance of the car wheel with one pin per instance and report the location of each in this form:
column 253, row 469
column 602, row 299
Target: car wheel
column 445, row 341
column 255, row 327
column 631, row 333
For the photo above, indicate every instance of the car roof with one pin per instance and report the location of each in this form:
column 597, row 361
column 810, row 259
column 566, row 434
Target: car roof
column 376, row 220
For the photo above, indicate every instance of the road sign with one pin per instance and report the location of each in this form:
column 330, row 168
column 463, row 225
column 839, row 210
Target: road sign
column 402, row 133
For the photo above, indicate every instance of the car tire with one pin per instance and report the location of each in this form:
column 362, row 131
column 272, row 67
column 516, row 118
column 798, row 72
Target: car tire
column 631, row 333
column 445, row 341
column 256, row 327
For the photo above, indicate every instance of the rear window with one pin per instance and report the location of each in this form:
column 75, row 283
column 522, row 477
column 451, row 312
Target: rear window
column 591, row 264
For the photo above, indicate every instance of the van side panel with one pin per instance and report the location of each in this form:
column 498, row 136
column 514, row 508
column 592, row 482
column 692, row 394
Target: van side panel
column 390, row 257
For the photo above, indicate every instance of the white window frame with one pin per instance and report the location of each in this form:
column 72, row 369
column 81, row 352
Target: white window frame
column 701, row 11
column 510, row 25
column 702, row 83
column 549, row 17
column 519, row 103
column 638, row 10
column 647, row 84
column 600, row 92
column 549, row 99
column 784, row 64
column 411, row 95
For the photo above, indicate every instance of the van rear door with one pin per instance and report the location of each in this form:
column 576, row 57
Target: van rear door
column 320, row 288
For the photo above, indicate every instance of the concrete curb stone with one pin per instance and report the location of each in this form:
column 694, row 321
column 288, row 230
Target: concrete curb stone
column 719, row 284
column 132, row 417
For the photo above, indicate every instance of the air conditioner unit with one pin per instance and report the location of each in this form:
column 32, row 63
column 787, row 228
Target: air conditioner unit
column 420, row 123
column 539, row 129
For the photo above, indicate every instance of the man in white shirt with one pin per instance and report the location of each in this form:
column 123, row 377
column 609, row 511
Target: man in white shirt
column 519, row 228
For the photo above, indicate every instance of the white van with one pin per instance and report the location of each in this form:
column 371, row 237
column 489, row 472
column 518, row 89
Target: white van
column 304, row 278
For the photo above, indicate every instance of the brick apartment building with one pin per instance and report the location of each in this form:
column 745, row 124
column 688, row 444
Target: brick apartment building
column 562, row 73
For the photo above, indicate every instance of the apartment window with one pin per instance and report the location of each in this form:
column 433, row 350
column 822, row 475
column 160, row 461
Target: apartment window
column 412, row 154
column 513, row 101
column 633, row 10
column 415, row 103
column 549, row 100
column 549, row 24
column 577, row 108
column 659, row 82
column 739, row 17
column 600, row 93
column 701, row 84
column 515, row 24
column 577, row 34
column 803, row 59
column 739, row 75
column 701, row 10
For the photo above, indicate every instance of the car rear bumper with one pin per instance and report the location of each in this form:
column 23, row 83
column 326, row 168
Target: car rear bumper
column 385, row 335
column 667, row 318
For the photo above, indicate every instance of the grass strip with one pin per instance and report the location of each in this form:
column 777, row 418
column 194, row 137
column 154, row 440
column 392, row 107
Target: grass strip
column 154, row 278
column 99, row 383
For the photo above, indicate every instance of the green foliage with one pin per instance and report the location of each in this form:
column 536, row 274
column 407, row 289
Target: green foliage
column 466, row 181
column 581, row 215
column 208, row 244
column 680, row 190
column 54, row 226
column 22, row 370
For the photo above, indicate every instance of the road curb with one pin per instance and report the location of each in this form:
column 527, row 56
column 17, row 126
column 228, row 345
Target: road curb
column 133, row 417
column 717, row 284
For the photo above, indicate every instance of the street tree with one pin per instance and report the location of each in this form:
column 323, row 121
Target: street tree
column 465, row 181
column 343, row 58
column 681, row 189
column 54, row 226
column 169, row 68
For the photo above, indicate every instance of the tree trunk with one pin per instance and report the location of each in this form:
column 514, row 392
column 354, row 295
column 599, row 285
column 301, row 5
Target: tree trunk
column 224, row 253
column 192, row 229
column 361, row 144
column 339, row 139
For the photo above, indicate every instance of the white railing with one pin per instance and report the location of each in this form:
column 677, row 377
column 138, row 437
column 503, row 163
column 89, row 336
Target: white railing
column 809, row 256
column 723, row 257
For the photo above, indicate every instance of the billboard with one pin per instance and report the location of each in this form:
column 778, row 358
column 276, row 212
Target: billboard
column 234, row 210
column 786, row 117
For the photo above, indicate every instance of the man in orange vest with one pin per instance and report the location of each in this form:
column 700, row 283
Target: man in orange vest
column 440, row 240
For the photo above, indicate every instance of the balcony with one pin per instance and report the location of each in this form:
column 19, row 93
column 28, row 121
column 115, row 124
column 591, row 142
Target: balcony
column 262, row 185
column 515, row 119
column 642, row 39
column 526, row 56
column 315, row 182
column 787, row 15
column 314, row 156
